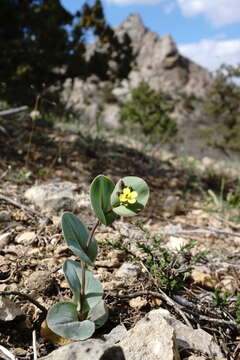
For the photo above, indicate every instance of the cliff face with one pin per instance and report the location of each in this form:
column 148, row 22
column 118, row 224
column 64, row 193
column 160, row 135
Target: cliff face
column 155, row 59
column 158, row 62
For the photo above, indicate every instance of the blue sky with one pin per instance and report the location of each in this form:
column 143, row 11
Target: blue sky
column 207, row 31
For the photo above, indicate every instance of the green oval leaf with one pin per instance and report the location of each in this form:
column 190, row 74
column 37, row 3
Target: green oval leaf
column 93, row 287
column 62, row 319
column 100, row 194
column 76, row 236
column 135, row 184
column 98, row 314
column 71, row 270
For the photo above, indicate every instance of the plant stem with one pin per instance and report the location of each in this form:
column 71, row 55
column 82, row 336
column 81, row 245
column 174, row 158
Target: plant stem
column 90, row 236
column 31, row 133
column 83, row 265
column 82, row 294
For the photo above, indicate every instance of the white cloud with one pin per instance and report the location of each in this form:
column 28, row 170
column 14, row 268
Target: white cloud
column 212, row 53
column 219, row 12
column 137, row 2
column 169, row 7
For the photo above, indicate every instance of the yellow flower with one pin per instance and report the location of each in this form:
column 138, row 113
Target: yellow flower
column 128, row 196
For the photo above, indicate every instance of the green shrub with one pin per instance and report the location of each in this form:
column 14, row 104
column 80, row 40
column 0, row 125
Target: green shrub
column 222, row 107
column 149, row 112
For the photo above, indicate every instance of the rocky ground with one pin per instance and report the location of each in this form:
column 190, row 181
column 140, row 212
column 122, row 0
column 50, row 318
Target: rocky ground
column 171, row 259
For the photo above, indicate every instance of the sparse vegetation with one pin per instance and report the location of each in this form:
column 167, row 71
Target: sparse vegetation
column 149, row 112
column 225, row 201
column 171, row 269
column 222, row 109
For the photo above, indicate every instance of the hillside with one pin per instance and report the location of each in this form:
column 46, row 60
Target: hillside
column 155, row 60
column 179, row 257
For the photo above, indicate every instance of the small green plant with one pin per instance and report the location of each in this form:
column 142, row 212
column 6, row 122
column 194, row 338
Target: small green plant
column 220, row 300
column 170, row 268
column 227, row 303
column 150, row 113
column 77, row 319
column 217, row 200
column 226, row 202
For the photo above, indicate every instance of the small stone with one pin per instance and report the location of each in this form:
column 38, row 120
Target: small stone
column 202, row 278
column 39, row 281
column 19, row 228
column 157, row 302
column 25, row 238
column 176, row 243
column 116, row 254
column 128, row 270
column 9, row 310
column 229, row 284
column 116, row 334
column 54, row 196
column 5, row 216
column 173, row 206
column 138, row 303
column 108, row 263
column 113, row 285
column 19, row 352
column 64, row 284
column 5, row 238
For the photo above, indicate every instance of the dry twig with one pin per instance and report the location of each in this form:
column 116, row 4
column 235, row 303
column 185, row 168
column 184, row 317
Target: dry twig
column 26, row 208
column 158, row 295
column 25, row 297
column 7, row 353
column 13, row 111
column 193, row 309
column 199, row 229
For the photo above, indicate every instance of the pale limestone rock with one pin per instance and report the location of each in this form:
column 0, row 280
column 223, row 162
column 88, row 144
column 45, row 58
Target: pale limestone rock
column 116, row 335
column 110, row 115
column 138, row 302
column 26, row 237
column 9, row 310
column 86, row 350
column 173, row 205
column 188, row 338
column 5, row 216
column 156, row 60
column 176, row 243
column 5, row 238
column 127, row 270
column 152, row 338
column 54, row 196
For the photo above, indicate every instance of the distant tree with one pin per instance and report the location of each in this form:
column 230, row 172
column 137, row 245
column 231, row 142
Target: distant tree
column 222, row 106
column 113, row 56
column 149, row 112
column 35, row 46
column 42, row 44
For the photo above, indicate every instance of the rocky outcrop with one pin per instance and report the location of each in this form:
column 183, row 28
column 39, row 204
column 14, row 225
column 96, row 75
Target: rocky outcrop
column 158, row 62
column 155, row 59
column 156, row 336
